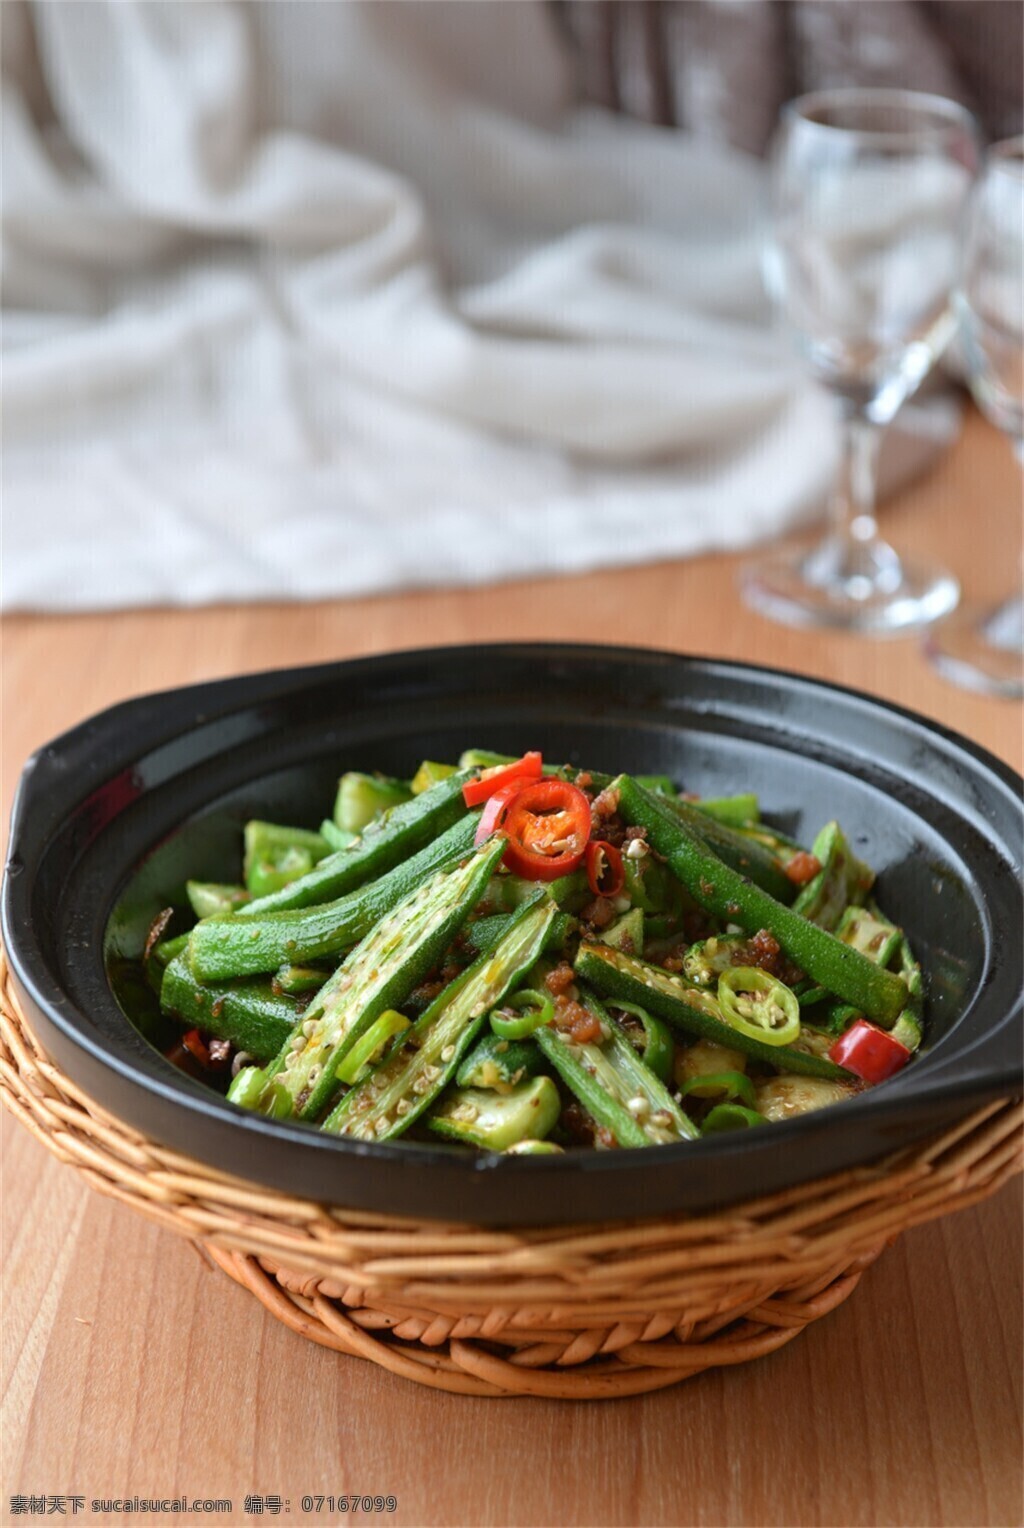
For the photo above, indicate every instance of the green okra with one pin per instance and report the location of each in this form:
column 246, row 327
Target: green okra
column 663, row 784
column 842, row 881
column 483, row 933
column 909, row 1027
column 614, row 1085
column 248, row 1013
column 276, row 855
column 741, row 853
column 505, row 892
column 693, row 1009
column 497, row 1121
column 378, row 974
column 298, row 979
column 735, row 811
column 336, row 838
column 881, row 995
column 869, row 932
column 407, row 1081
column 650, row 886
column 656, row 1045
column 874, row 936
column 627, row 932
column 705, row 961
column 362, row 798
column 499, row 1064
column 164, row 952
column 229, row 947
column 381, row 846
column 209, row 899
column 428, row 774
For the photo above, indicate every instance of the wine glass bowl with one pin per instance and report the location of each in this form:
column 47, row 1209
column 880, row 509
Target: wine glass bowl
column 868, row 192
column 984, row 650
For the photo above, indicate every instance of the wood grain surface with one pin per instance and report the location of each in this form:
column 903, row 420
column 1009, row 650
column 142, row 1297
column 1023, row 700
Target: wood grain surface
column 130, row 1368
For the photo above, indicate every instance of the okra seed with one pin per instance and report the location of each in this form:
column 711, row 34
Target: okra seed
column 448, row 1053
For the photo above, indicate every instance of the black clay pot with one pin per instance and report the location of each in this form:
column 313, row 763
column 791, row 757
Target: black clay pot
column 112, row 817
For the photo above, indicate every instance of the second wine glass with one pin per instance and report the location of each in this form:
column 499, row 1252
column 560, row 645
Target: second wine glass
column 869, row 188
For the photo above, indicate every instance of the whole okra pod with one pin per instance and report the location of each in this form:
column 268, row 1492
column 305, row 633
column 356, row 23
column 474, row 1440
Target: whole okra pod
column 228, row 947
column 383, row 844
column 879, row 994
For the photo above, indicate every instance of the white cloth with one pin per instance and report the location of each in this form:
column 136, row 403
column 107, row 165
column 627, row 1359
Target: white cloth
column 306, row 300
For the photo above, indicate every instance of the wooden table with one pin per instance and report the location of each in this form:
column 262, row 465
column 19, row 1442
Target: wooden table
column 130, row 1368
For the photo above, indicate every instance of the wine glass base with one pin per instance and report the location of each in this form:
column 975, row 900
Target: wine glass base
column 982, row 649
column 810, row 588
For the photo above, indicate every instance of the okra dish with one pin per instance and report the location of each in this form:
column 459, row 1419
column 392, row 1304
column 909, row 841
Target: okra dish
column 524, row 957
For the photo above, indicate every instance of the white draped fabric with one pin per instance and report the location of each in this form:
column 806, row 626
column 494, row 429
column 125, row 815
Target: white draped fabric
column 304, row 300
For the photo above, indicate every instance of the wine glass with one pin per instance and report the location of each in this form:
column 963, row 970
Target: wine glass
column 985, row 651
column 869, row 189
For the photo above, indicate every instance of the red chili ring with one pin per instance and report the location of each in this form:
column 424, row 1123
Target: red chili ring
column 605, row 875
column 529, row 853
column 496, row 806
column 529, row 767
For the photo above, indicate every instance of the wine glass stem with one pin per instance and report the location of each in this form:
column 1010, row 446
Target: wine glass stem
column 853, row 562
column 853, row 502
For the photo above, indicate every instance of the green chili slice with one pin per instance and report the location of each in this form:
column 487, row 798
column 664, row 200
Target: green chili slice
column 758, row 1005
column 730, row 1117
column 366, row 1047
column 725, row 1085
column 659, row 1047
column 534, row 1009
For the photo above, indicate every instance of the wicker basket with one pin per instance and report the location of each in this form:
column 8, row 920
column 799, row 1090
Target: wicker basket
column 580, row 1312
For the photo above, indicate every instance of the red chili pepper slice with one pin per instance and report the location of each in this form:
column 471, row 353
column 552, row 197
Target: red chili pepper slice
column 547, row 825
column 493, row 814
column 869, row 1052
column 605, row 875
column 194, row 1042
column 529, row 767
